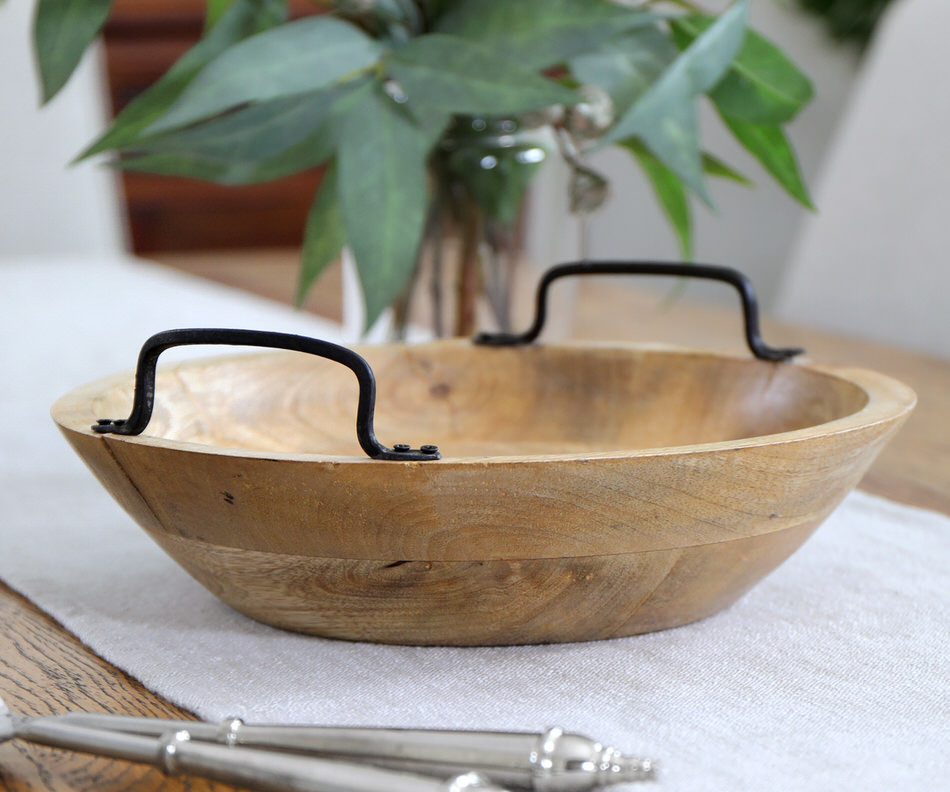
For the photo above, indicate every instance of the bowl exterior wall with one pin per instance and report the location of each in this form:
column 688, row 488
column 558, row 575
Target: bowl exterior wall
column 486, row 554
column 486, row 603
column 486, row 510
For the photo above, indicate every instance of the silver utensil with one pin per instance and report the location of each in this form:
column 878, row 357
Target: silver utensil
column 551, row 761
column 175, row 753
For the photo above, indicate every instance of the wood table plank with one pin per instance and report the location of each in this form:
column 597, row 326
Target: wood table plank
column 46, row 670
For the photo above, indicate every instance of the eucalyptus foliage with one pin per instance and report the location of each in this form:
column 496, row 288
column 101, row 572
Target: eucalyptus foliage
column 374, row 88
column 849, row 20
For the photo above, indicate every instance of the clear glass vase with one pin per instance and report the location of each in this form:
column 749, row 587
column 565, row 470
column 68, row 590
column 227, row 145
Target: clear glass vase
column 480, row 174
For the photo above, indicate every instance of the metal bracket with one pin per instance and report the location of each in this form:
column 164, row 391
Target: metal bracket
column 144, row 398
column 705, row 271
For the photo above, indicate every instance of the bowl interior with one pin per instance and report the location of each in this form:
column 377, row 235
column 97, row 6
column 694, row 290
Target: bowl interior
column 474, row 401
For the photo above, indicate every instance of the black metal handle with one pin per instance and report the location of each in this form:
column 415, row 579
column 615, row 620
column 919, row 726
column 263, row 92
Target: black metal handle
column 145, row 382
column 708, row 272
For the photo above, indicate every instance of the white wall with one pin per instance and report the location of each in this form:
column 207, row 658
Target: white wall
column 755, row 227
column 46, row 207
column 876, row 263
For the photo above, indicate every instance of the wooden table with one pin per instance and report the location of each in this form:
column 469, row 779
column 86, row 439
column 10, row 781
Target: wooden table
column 44, row 669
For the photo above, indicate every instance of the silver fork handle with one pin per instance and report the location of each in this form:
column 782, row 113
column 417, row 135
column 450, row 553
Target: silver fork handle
column 175, row 753
column 550, row 761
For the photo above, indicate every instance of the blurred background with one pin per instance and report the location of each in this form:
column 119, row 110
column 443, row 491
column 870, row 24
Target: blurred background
column 868, row 262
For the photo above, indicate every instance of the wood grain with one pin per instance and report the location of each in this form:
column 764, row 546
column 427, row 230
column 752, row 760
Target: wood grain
column 914, row 468
column 44, row 670
column 613, row 459
column 583, row 598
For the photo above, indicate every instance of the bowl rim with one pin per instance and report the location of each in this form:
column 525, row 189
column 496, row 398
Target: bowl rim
column 887, row 399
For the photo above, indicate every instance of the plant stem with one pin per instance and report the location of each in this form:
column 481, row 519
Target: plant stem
column 469, row 280
column 402, row 305
column 437, row 284
column 499, row 248
column 400, row 308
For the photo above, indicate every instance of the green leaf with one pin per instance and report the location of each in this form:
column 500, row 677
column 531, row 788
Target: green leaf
column 539, row 33
column 382, row 155
column 769, row 146
column 625, row 67
column 294, row 58
column 257, row 143
column 325, row 233
column 213, row 12
column 452, row 75
column 396, row 20
column 62, row 30
column 665, row 116
column 243, row 18
column 763, row 86
column 714, row 166
column 431, row 9
column 670, row 192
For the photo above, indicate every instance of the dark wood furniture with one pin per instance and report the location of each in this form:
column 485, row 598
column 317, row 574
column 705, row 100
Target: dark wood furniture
column 142, row 39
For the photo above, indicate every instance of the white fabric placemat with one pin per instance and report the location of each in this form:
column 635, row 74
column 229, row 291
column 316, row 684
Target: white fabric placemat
column 832, row 674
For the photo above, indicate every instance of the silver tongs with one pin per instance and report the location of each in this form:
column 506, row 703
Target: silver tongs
column 343, row 759
column 175, row 753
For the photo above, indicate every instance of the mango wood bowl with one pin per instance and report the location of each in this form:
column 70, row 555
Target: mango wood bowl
column 583, row 492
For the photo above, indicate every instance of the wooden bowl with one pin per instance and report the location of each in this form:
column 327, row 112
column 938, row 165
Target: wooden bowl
column 585, row 492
